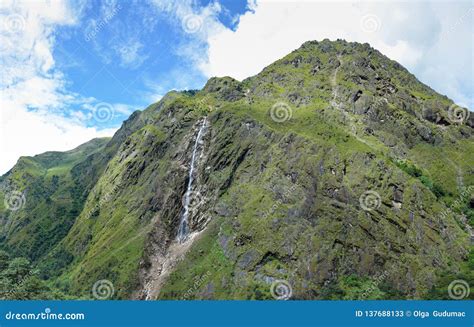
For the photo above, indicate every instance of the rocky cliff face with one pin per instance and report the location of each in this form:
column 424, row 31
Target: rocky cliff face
column 333, row 169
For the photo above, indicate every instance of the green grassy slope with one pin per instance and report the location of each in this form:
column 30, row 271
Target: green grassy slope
column 49, row 200
column 287, row 157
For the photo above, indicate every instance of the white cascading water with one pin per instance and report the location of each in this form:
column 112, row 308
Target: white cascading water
column 183, row 230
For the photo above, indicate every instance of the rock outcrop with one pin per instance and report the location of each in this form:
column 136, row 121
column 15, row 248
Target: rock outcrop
column 332, row 167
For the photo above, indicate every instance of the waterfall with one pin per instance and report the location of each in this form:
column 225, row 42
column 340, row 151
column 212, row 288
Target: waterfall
column 183, row 230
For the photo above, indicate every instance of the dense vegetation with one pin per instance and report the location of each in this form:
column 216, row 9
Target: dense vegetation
column 281, row 176
column 19, row 280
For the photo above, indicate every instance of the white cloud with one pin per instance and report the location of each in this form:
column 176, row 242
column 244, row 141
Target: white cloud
column 33, row 98
column 197, row 24
column 433, row 40
column 29, row 133
column 197, row 21
column 124, row 109
column 182, row 78
column 123, row 38
column 130, row 54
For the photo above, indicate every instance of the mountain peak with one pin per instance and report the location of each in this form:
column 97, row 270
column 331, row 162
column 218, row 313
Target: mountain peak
column 330, row 166
column 225, row 88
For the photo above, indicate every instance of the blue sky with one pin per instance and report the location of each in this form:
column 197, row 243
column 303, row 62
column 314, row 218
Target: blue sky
column 128, row 54
column 74, row 70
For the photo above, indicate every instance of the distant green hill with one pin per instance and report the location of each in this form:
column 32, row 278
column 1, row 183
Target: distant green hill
column 333, row 169
column 51, row 191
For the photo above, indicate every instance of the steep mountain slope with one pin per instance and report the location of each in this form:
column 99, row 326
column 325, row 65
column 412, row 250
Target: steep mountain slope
column 331, row 169
column 41, row 197
column 55, row 189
